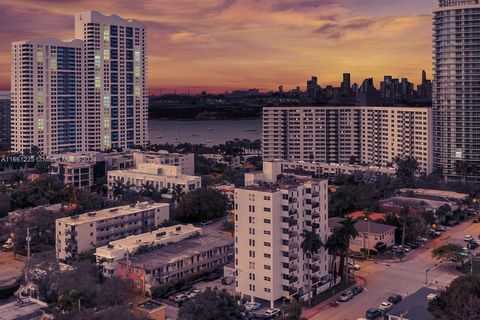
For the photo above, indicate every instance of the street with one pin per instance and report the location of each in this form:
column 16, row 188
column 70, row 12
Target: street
column 10, row 267
column 404, row 278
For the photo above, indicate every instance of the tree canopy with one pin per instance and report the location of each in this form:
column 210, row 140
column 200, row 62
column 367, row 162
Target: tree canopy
column 212, row 304
column 201, row 205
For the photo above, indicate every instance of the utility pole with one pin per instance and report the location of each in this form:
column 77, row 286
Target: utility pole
column 28, row 239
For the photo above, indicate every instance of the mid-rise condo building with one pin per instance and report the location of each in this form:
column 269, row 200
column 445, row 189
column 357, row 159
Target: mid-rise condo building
column 334, row 134
column 80, row 233
column 270, row 217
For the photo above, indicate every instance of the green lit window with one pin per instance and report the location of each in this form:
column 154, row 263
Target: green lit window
column 137, row 71
column 137, row 54
column 97, row 59
column 41, row 124
column 40, row 56
column 106, row 54
column 106, row 123
column 106, row 33
column 138, row 91
column 97, row 82
column 53, row 64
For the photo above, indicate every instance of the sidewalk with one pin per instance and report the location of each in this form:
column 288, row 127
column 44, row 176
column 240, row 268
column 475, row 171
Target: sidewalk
column 309, row 313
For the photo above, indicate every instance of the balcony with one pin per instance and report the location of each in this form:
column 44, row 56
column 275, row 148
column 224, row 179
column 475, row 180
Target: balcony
column 292, row 222
column 292, row 200
column 292, row 234
column 292, row 279
column 315, row 205
column 292, row 268
column 293, row 257
column 292, row 290
column 71, row 233
column 293, row 246
column 315, row 194
column 314, row 268
column 292, row 212
column 315, row 215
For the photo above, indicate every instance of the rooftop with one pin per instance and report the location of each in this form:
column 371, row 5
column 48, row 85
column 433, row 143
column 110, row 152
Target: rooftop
column 373, row 215
column 414, row 307
column 363, row 227
column 416, row 203
column 111, row 212
column 178, row 251
column 438, row 195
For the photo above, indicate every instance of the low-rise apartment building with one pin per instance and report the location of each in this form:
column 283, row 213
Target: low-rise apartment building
column 332, row 169
column 270, row 217
column 176, row 260
column 84, row 232
column 160, row 176
column 373, row 136
column 117, row 250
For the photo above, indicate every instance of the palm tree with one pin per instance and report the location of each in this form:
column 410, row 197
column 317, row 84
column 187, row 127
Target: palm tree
column 347, row 232
column 148, row 189
column 310, row 245
column 177, row 194
column 335, row 246
column 118, row 189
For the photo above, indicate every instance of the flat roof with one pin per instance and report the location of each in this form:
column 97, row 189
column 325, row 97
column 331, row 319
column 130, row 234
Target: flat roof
column 414, row 202
column 28, row 310
column 363, row 227
column 112, row 212
column 144, row 173
column 437, row 193
column 178, row 251
column 415, row 306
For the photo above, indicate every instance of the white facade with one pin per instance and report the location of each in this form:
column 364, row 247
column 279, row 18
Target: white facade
column 270, row 217
column 48, row 101
column 455, row 88
column 80, row 233
column 185, row 162
column 115, row 49
column 161, row 176
column 117, row 250
column 368, row 135
column 332, row 169
column 86, row 94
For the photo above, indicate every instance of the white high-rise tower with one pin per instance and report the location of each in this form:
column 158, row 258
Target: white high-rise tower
column 117, row 104
column 456, row 90
column 82, row 95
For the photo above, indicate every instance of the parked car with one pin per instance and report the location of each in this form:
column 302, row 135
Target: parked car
column 395, row 298
column 252, row 306
column 271, row 313
column 213, row 276
column 373, row 314
column 180, row 297
column 421, row 239
column 206, row 223
column 476, row 220
column 468, row 238
column 434, row 233
column 346, row 296
column 385, row 306
column 357, row 256
column 413, row 245
column 227, row 280
column 472, row 245
column 466, row 249
column 354, row 266
column 357, row 290
column 191, row 295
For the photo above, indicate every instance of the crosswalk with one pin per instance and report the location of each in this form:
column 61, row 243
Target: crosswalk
column 367, row 270
column 441, row 282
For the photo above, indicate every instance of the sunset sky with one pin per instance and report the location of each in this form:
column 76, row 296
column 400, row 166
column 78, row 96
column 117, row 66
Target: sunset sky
column 220, row 45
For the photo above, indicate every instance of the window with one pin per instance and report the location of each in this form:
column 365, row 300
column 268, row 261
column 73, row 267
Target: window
column 267, row 279
column 267, row 244
column 267, row 267
column 267, row 198
column 267, row 232
column 267, row 255
column 267, row 290
column 251, row 254
column 267, row 209
column 267, row 221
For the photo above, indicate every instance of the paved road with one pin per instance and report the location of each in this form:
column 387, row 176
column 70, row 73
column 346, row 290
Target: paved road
column 10, row 268
column 403, row 278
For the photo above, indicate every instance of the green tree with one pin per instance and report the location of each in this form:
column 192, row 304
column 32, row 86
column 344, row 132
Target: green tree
column 201, row 205
column 335, row 246
column 212, row 304
column 447, row 252
column 460, row 301
column 293, row 311
column 407, row 169
column 347, row 232
column 310, row 245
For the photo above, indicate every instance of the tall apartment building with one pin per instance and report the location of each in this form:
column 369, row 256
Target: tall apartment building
column 456, row 103
column 47, row 86
column 86, row 94
column 329, row 134
column 270, row 216
column 115, row 51
column 80, row 233
column 5, row 120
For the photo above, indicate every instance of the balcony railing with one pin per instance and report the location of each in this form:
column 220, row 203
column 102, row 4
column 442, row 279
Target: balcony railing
column 293, row 257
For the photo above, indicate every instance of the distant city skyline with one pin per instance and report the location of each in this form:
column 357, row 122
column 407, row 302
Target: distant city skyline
column 224, row 45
